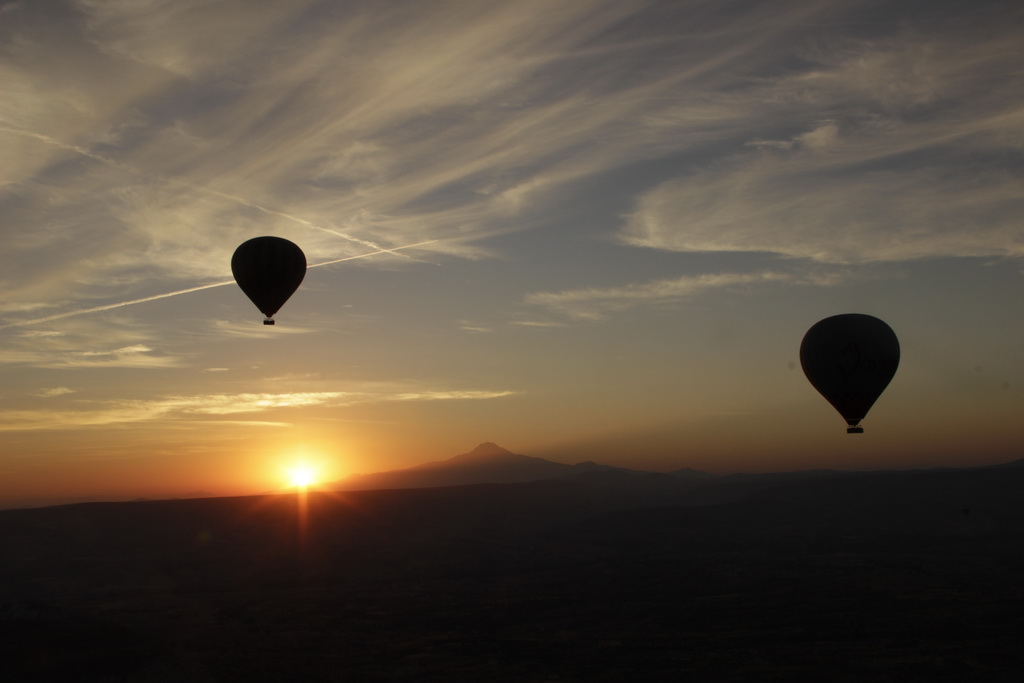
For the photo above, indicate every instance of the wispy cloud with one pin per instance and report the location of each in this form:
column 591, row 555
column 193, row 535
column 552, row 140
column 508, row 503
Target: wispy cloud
column 55, row 391
column 174, row 132
column 897, row 149
column 160, row 135
column 593, row 303
column 447, row 395
column 117, row 343
column 182, row 409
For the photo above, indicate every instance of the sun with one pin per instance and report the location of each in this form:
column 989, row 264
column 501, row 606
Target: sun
column 301, row 476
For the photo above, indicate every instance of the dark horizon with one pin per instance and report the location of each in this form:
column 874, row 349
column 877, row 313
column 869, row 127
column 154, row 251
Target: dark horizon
column 883, row 576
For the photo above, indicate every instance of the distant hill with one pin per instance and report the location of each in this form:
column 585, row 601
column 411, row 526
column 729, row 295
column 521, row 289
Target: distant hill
column 488, row 463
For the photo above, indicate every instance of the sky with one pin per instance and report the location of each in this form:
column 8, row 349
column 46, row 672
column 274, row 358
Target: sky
column 588, row 230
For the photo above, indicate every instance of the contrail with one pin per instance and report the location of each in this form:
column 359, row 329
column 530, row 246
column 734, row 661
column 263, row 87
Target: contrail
column 206, row 190
column 381, row 250
column 65, row 146
column 295, row 219
column 107, row 307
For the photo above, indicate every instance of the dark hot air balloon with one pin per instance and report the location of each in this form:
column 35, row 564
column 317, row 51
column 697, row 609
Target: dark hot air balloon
column 269, row 270
column 850, row 359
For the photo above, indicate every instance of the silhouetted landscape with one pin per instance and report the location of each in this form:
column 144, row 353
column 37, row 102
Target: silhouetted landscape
column 577, row 573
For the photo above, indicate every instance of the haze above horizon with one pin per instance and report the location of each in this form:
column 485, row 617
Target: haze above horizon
column 591, row 231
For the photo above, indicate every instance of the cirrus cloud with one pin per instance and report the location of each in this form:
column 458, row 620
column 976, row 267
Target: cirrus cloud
column 597, row 303
column 189, row 408
column 877, row 150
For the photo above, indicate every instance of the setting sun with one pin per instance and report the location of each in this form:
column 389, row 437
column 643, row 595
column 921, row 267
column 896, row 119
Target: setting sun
column 301, row 476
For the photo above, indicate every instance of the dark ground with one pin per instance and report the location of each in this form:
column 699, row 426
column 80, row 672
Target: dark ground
column 881, row 577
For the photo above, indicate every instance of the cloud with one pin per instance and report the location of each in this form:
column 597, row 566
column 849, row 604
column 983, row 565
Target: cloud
column 162, row 133
column 809, row 203
column 473, row 327
column 896, row 150
column 537, row 323
column 55, row 391
column 62, row 353
column 182, row 409
column 112, row 342
column 594, row 303
column 147, row 138
column 448, row 395
column 185, row 38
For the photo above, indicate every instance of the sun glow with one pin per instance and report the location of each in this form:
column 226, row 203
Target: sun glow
column 301, row 476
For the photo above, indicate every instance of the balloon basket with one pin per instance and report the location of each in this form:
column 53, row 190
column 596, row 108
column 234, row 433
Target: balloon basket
column 854, row 430
column 268, row 321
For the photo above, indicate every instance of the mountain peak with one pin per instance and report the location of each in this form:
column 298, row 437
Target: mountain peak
column 488, row 449
column 484, row 453
column 487, row 463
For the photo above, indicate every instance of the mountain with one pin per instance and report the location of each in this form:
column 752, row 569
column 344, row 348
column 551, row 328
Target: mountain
column 488, row 463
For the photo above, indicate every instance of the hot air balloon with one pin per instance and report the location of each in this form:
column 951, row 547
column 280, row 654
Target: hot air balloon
column 850, row 359
column 269, row 270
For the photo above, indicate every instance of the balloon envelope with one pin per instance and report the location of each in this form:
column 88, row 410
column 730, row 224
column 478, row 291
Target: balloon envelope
column 850, row 359
column 269, row 270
